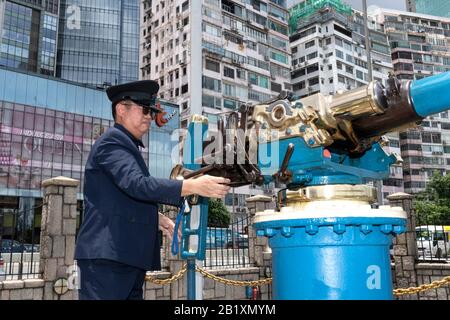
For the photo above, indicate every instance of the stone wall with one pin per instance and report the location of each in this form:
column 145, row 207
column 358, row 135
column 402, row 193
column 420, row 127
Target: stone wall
column 427, row 273
column 407, row 271
column 260, row 251
column 32, row 289
column 58, row 241
column 57, row 244
column 212, row 290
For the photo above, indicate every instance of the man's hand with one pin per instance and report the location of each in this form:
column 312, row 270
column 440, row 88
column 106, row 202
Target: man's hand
column 167, row 226
column 206, row 186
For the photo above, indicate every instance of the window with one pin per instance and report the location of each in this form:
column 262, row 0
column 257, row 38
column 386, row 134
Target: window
column 429, row 137
column 230, row 104
column 359, row 74
column 275, row 86
column 349, row 69
column 212, row 65
column 278, row 56
column 228, row 72
column 311, row 56
column 313, row 81
column 212, row 30
column 310, row 44
column 312, row 68
column 240, row 74
column 258, row 80
column 211, row 101
column 229, row 90
column 298, row 86
column 212, row 84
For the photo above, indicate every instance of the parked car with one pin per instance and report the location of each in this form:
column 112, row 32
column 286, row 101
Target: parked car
column 31, row 247
column 433, row 241
column 240, row 241
column 11, row 246
column 216, row 237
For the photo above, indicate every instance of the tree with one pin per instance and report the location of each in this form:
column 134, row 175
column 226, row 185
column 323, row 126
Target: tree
column 218, row 215
column 433, row 205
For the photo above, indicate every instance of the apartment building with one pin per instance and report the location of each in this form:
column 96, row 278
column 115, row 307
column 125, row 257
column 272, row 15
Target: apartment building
column 211, row 56
column 329, row 55
column 420, row 48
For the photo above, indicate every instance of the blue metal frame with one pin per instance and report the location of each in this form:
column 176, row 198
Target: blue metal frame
column 311, row 168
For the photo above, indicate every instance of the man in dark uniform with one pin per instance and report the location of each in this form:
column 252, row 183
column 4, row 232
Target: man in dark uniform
column 118, row 239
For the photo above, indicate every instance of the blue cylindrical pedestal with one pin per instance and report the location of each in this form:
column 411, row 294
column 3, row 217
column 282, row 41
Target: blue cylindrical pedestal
column 331, row 258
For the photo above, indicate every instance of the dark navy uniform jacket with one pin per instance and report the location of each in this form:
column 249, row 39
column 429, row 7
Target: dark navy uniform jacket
column 121, row 203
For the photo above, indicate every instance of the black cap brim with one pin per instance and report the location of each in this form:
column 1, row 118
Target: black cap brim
column 143, row 92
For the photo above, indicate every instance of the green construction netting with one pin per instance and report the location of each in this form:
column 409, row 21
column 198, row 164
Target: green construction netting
column 309, row 7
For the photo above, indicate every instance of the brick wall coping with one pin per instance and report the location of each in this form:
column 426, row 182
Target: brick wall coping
column 20, row 284
column 234, row 271
column 60, row 181
column 435, row 266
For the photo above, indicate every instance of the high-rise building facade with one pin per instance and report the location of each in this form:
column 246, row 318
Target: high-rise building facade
column 420, row 48
column 211, row 56
column 328, row 48
column 28, row 35
column 98, row 41
column 439, row 8
column 329, row 55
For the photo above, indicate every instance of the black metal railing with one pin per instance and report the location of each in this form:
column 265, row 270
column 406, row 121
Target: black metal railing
column 19, row 243
column 433, row 242
column 228, row 247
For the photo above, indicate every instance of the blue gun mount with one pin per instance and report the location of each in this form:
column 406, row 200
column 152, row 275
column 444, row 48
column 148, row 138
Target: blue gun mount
column 314, row 145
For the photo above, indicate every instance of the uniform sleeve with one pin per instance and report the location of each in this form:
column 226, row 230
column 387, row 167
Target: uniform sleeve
column 121, row 166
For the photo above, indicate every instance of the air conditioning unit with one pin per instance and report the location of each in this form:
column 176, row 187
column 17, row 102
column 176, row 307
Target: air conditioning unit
column 325, row 60
column 267, row 58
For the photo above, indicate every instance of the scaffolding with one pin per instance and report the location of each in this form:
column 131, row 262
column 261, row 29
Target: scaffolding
column 307, row 8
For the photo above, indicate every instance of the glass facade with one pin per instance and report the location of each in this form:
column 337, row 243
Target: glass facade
column 44, row 135
column 103, row 46
column 20, row 37
column 440, row 8
column 129, row 55
column 28, row 36
column 48, row 44
column 47, row 129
